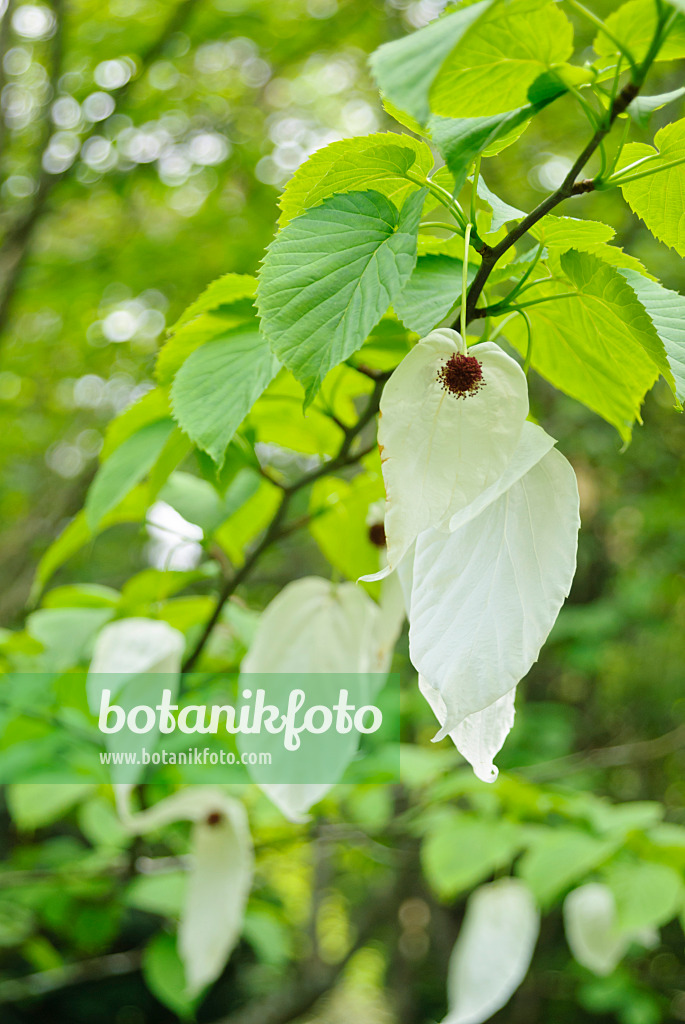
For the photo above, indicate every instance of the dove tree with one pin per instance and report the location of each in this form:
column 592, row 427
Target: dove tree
column 377, row 384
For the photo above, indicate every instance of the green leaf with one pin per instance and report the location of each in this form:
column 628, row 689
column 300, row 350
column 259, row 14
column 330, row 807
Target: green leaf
column 599, row 346
column 217, row 386
column 647, row 895
column 151, row 407
column 431, row 292
column 501, row 212
column 66, row 633
column 158, row 894
column 559, row 234
column 634, row 25
column 77, row 534
column 383, row 161
column 666, row 310
column 561, row 858
column 329, row 276
column 461, row 140
column 125, row 468
column 658, row 197
column 405, row 69
column 165, row 977
column 224, row 291
column 340, row 527
column 495, row 64
column 461, row 851
column 191, row 335
column 36, row 804
column 642, row 107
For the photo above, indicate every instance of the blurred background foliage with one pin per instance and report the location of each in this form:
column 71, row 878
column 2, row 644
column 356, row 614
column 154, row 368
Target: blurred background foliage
column 143, row 146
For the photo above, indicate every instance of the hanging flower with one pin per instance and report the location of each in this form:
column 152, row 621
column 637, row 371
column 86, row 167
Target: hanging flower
column 450, row 422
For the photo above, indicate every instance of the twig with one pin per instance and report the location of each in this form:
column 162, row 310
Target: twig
column 110, row 966
column 607, row 757
column 277, row 528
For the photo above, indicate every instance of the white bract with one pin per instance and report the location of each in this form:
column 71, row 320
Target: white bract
column 441, row 448
column 483, row 599
column 317, row 626
column 128, row 647
column 219, row 880
column 493, row 952
column 481, row 735
column 592, row 932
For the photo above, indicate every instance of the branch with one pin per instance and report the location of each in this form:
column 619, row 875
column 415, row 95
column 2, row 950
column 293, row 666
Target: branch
column 17, row 242
column 607, row 757
column 277, row 528
column 568, row 188
column 110, row 966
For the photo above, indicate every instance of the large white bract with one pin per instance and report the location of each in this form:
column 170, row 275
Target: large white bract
column 484, row 598
column 493, row 952
column 441, row 448
column 592, row 930
column 219, row 880
column 317, row 626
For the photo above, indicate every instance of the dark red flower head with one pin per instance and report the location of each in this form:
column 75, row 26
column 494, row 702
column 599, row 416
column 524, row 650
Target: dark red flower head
column 461, row 375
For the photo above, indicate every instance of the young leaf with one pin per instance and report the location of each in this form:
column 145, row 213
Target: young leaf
column 460, row 851
column 658, row 197
column 598, row 346
column 561, row 857
column 559, row 234
column 125, row 468
column 666, row 310
column 432, row 291
column 634, row 24
column 329, row 276
column 217, row 386
column 495, row 64
column 501, row 212
column 642, row 107
column 224, row 291
column 440, row 449
column 493, row 952
column 461, row 140
column 404, row 70
column 383, row 162
column 151, row 407
column 484, row 598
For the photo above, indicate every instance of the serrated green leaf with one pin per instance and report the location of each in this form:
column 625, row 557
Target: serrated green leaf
column 339, row 525
column 190, row 336
column 125, row 468
column 151, row 407
column 599, row 346
column 642, row 107
column 330, row 275
column 431, row 292
column 634, row 25
column 223, row 292
column 501, row 212
column 666, row 310
column 217, row 386
column 495, row 63
column 561, row 858
column 559, row 234
column 461, row 851
column 404, row 70
column 461, row 140
column 382, row 162
column 658, row 197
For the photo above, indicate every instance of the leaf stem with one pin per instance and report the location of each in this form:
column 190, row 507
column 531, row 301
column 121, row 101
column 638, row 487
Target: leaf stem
column 621, row 179
column 621, row 47
column 465, row 278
